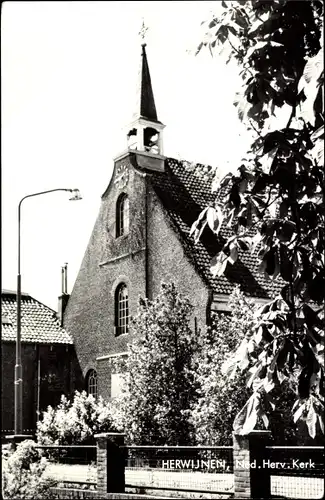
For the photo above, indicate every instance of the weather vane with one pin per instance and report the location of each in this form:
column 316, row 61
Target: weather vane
column 143, row 32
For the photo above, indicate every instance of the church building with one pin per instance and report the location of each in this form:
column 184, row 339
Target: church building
column 140, row 239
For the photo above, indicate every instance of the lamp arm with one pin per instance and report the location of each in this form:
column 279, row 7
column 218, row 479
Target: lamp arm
column 19, row 214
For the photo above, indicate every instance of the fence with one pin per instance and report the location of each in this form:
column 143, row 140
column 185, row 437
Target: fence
column 296, row 472
column 9, row 434
column 72, row 465
column 203, row 469
column 251, row 468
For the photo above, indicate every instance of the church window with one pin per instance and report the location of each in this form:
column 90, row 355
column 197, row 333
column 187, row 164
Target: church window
column 122, row 215
column 92, row 387
column 122, row 310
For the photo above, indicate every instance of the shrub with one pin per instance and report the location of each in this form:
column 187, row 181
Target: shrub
column 74, row 422
column 23, row 474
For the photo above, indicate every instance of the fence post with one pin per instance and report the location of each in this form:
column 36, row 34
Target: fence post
column 251, row 467
column 110, row 463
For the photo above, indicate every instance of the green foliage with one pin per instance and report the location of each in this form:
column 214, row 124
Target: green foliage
column 274, row 204
column 74, row 422
column 221, row 398
column 154, row 406
column 24, row 474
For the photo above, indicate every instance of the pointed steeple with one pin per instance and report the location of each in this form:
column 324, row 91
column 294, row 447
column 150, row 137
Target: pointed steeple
column 146, row 107
column 145, row 131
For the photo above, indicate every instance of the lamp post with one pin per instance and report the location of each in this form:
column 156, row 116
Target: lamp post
column 18, row 367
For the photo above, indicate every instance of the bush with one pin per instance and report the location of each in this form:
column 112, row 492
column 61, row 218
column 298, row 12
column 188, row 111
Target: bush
column 23, row 474
column 74, row 422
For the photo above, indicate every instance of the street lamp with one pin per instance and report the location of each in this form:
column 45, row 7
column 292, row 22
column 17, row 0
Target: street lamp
column 18, row 367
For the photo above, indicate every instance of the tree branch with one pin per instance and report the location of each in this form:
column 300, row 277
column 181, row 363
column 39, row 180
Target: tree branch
column 292, row 115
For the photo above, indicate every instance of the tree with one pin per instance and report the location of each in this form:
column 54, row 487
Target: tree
column 220, row 398
column 154, row 406
column 274, row 203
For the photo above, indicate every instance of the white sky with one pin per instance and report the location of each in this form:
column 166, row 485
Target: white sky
column 69, row 72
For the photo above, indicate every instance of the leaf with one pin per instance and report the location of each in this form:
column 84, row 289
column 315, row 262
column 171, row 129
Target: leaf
column 198, row 231
column 311, row 421
column 214, row 219
column 265, row 420
column 233, row 254
column 284, row 208
column 242, row 105
column 285, row 264
column 283, row 354
column 255, row 371
column 244, row 243
column 286, row 231
column 258, row 335
column 313, row 67
column 299, row 412
column 229, row 368
column 272, row 267
column 312, row 318
column 267, row 160
column 260, row 184
column 281, row 376
column 218, row 264
column 241, row 417
column 254, row 48
column 316, row 288
column 251, row 417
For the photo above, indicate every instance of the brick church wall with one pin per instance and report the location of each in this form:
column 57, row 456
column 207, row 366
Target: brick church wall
column 168, row 262
column 90, row 313
column 151, row 248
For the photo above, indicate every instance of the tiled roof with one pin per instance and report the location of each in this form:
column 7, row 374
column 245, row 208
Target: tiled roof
column 184, row 196
column 38, row 322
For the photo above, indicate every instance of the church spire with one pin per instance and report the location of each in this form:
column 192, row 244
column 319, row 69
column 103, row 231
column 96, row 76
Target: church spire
column 145, row 131
column 146, row 107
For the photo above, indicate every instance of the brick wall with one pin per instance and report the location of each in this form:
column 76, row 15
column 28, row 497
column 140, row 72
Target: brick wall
column 168, row 262
column 29, row 363
column 108, row 261
column 104, row 378
column 251, row 477
column 56, row 366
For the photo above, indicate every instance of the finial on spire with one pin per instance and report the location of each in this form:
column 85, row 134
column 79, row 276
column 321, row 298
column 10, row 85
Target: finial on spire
column 143, row 32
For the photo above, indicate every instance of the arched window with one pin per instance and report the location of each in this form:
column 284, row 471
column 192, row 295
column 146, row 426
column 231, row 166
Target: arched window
column 92, row 386
column 122, row 310
column 122, row 215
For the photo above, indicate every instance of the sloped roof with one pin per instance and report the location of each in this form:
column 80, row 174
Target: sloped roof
column 39, row 323
column 184, row 196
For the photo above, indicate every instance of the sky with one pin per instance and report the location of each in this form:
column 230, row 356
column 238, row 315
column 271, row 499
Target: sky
column 69, row 75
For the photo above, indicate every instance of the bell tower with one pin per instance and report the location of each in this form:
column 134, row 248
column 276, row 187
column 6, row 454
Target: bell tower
column 144, row 133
